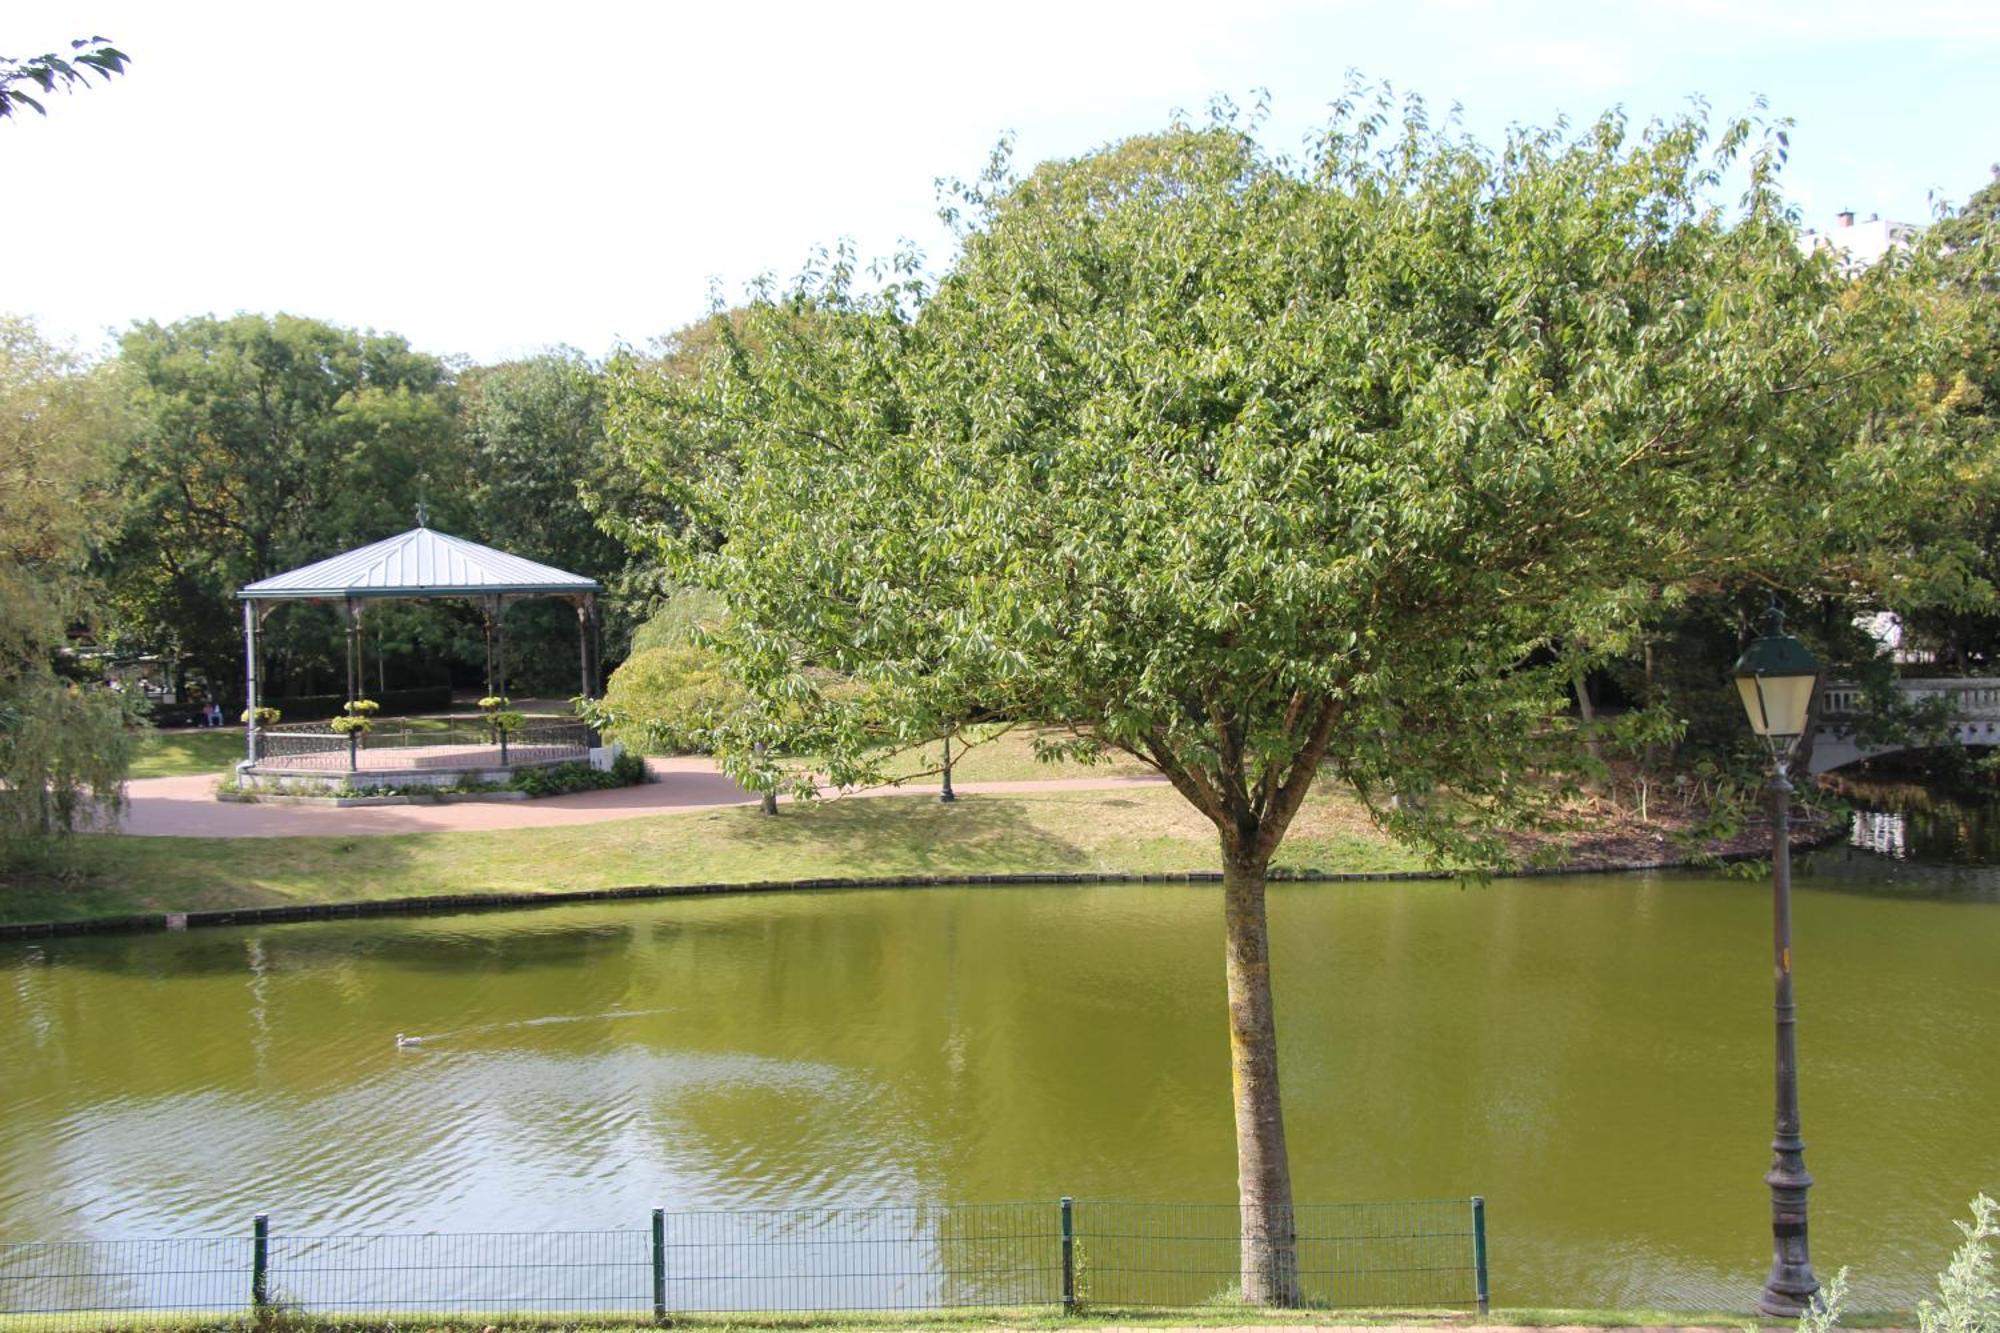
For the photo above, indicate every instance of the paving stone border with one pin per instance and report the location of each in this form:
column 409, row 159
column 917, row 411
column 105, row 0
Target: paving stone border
column 344, row 802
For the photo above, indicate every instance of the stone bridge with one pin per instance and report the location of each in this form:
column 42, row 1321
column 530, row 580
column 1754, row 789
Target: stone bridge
column 1974, row 705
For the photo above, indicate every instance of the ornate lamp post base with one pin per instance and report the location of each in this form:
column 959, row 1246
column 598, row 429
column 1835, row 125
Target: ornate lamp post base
column 1791, row 1287
column 1789, row 1291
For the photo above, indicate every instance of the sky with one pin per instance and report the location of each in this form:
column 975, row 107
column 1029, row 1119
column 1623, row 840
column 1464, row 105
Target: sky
column 489, row 179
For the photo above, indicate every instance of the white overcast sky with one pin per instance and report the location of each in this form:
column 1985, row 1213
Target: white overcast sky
column 490, row 178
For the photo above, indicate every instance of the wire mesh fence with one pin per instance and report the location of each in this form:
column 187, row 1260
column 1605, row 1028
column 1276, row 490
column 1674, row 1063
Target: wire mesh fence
column 108, row 1283
column 1425, row 1254
column 798, row 1261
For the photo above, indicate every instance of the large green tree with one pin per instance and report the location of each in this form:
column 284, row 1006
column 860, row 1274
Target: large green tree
column 65, row 745
column 533, row 432
column 1261, row 469
column 265, row 443
column 1940, row 570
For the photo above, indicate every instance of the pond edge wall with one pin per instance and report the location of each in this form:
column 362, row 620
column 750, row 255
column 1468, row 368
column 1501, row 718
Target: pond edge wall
column 446, row 904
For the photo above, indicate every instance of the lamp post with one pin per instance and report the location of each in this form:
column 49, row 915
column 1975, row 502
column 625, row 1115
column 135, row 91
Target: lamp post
column 945, row 793
column 1776, row 677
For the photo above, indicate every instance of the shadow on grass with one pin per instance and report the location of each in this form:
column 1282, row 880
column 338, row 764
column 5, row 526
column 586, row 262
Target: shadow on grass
column 850, row 836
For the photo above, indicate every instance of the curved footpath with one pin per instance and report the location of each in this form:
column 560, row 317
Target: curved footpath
column 186, row 807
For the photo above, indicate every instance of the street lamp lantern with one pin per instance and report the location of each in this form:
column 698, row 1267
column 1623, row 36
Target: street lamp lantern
column 1776, row 677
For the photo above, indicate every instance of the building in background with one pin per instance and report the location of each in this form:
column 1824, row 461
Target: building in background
column 1857, row 245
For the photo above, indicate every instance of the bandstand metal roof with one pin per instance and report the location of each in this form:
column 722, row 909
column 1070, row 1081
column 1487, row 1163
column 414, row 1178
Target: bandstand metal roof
column 419, row 563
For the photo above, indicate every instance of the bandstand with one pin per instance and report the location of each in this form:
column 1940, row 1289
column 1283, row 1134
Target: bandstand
column 417, row 565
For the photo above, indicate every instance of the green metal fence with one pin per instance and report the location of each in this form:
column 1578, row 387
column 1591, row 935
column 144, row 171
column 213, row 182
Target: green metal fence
column 1068, row 1254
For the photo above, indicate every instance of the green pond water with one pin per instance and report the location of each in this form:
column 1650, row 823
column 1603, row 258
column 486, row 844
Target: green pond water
column 1591, row 1054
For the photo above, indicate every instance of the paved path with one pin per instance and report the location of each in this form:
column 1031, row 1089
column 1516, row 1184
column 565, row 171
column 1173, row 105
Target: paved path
column 186, row 807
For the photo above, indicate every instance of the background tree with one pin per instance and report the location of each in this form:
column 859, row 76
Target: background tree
column 1968, row 236
column 1250, row 467
column 88, row 56
column 265, row 443
column 1942, row 577
column 533, row 431
column 65, row 744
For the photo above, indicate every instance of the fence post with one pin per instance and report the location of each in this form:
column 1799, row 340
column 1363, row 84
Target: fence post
column 260, row 1261
column 1068, row 1255
column 659, row 1266
column 1479, row 1249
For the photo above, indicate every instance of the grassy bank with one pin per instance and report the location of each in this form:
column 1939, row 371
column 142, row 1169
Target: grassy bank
column 1141, row 830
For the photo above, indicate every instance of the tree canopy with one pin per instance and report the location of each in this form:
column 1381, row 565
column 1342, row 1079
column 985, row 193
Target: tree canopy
column 265, row 443
column 64, row 745
column 88, row 56
column 1253, row 467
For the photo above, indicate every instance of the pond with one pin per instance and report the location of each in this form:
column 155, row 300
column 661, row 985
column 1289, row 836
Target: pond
column 1592, row 1054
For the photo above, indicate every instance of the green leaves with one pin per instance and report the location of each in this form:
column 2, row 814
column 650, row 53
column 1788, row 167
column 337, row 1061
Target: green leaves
column 92, row 55
column 1242, row 466
column 265, row 443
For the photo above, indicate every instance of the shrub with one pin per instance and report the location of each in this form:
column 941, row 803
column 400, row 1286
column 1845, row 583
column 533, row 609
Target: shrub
column 563, row 779
column 628, row 768
column 667, row 700
column 681, row 621
column 64, row 753
column 266, row 717
column 1968, row 1297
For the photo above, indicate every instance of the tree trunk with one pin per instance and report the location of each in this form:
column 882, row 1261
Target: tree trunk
column 1586, row 710
column 1263, row 1171
column 1651, row 759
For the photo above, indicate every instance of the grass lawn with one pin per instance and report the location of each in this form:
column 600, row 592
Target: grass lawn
column 1143, row 830
column 173, row 754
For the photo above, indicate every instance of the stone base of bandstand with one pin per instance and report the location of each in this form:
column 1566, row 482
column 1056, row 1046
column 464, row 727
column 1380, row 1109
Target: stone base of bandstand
column 440, row 766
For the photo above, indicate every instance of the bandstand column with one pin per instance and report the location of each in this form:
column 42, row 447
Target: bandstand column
column 352, row 611
column 487, row 609
column 500, row 646
column 250, row 619
column 586, row 640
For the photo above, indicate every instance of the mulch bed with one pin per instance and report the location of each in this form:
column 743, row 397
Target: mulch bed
column 1619, row 839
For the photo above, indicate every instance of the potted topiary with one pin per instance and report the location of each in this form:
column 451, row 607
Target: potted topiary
column 505, row 723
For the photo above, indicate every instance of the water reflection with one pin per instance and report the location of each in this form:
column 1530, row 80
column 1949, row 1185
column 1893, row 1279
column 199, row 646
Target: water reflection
column 1910, row 837
column 1880, row 832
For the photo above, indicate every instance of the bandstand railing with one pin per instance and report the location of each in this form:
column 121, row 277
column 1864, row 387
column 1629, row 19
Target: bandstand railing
column 317, row 747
